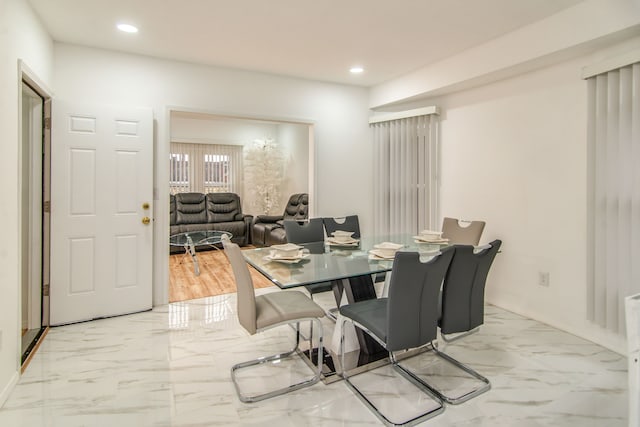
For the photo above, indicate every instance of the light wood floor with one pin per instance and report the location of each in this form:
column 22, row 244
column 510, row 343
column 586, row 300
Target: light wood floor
column 216, row 276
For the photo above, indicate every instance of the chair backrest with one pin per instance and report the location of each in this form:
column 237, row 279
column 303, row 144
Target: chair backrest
column 304, row 232
column 223, row 207
column 469, row 234
column 412, row 316
column 190, row 208
column 463, row 288
column 246, row 305
column 347, row 223
column 297, row 207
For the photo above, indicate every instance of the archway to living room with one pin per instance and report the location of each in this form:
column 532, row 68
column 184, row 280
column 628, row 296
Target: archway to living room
column 262, row 161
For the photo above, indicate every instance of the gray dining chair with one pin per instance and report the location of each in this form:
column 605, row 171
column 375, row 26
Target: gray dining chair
column 462, row 232
column 406, row 319
column 259, row 313
column 462, row 313
column 346, row 223
column 310, row 231
column 463, row 289
column 304, row 231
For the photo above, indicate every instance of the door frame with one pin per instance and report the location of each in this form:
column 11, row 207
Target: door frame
column 161, row 189
column 26, row 75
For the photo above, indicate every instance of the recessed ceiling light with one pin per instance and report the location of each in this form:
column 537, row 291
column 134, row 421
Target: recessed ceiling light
column 356, row 70
column 127, row 28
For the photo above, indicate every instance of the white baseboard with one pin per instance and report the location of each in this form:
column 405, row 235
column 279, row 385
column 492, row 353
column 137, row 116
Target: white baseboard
column 591, row 333
column 6, row 391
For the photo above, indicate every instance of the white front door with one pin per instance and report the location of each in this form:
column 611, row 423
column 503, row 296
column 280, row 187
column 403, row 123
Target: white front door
column 101, row 193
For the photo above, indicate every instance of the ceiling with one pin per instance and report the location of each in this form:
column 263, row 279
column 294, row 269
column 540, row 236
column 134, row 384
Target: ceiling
column 318, row 40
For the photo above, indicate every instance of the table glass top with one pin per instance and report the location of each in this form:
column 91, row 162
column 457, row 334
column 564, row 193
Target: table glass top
column 198, row 238
column 326, row 263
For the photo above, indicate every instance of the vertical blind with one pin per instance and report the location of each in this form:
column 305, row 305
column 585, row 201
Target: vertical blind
column 405, row 174
column 205, row 168
column 614, row 194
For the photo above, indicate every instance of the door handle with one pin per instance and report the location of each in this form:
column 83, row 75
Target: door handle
column 146, row 220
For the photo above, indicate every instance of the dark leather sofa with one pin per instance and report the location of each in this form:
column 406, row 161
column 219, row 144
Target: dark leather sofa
column 213, row 211
column 268, row 230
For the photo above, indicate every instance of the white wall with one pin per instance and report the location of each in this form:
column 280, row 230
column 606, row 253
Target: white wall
column 569, row 33
column 338, row 112
column 294, row 141
column 514, row 155
column 21, row 37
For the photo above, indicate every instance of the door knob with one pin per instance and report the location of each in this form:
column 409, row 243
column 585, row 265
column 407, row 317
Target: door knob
column 146, row 220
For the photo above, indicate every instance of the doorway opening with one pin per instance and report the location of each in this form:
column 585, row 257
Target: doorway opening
column 193, row 131
column 35, row 206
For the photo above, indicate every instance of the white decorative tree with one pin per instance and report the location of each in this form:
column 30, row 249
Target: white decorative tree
column 264, row 164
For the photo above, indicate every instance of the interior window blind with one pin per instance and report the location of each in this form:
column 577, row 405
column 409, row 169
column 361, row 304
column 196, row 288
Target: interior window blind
column 614, row 194
column 406, row 162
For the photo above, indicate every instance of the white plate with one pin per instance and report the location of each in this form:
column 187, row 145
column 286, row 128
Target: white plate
column 287, row 260
column 349, row 242
column 381, row 255
column 388, row 245
column 287, row 247
column 431, row 234
column 290, row 255
column 422, row 239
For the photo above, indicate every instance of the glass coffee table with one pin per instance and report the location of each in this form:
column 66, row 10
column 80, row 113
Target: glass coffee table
column 193, row 239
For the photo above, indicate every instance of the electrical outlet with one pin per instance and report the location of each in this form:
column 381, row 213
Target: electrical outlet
column 543, row 278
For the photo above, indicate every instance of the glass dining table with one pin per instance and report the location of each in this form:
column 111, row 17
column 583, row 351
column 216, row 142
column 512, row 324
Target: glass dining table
column 327, row 262
column 350, row 268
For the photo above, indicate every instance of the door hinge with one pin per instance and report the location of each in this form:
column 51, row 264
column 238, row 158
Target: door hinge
column 47, row 123
column 45, row 290
column 46, row 206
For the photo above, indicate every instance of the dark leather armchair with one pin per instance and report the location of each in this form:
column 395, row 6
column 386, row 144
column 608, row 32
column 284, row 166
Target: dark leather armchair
column 268, row 230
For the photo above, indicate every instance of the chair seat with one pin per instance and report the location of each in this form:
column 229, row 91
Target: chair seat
column 278, row 307
column 316, row 288
column 372, row 314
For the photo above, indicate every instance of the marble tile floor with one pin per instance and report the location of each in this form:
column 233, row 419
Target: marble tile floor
column 170, row 367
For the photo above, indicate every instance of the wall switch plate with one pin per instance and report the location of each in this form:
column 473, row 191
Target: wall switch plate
column 543, row 279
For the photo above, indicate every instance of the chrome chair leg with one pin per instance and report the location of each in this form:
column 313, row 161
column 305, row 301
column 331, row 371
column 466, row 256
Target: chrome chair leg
column 453, row 400
column 369, row 404
column 454, row 337
column 277, row 357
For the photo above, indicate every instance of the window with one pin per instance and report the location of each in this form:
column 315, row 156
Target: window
column 179, row 169
column 216, row 173
column 205, row 168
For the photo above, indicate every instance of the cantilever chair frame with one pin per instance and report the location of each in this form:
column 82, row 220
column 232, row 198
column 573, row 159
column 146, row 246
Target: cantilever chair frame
column 489, row 250
column 233, row 252
column 397, row 343
column 452, row 400
column 405, row 373
column 280, row 357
